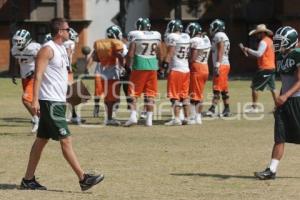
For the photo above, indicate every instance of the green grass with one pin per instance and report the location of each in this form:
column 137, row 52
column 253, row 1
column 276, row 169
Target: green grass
column 213, row 161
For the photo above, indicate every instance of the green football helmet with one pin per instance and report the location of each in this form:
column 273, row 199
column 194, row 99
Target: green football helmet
column 193, row 29
column 114, row 32
column 143, row 24
column 285, row 38
column 73, row 35
column 216, row 26
column 47, row 37
column 21, row 39
column 174, row 26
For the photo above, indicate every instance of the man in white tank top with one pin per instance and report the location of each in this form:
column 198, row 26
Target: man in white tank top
column 49, row 98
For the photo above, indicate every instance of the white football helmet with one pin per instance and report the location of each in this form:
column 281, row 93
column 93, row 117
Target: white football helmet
column 21, row 39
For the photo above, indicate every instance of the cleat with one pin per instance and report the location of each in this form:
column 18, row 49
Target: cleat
column 226, row 113
column 267, row 174
column 143, row 115
column 210, row 114
column 130, row 123
column 90, row 180
column 112, row 122
column 77, row 120
column 31, row 185
column 198, row 120
column 251, row 110
column 173, row 122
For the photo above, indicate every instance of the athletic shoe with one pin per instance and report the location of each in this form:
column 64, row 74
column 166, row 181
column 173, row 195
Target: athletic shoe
column 198, row 120
column 251, row 110
column 187, row 122
column 226, row 113
column 143, row 115
column 35, row 127
column 267, row 174
column 90, row 180
column 96, row 111
column 130, row 123
column 210, row 113
column 173, row 122
column 31, row 185
column 112, row 122
column 77, row 120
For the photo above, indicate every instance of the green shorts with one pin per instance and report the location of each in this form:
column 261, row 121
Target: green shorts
column 287, row 122
column 53, row 122
column 263, row 79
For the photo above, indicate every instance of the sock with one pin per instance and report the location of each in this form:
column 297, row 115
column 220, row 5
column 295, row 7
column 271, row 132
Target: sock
column 193, row 112
column 226, row 106
column 35, row 119
column 149, row 118
column 181, row 114
column 273, row 165
column 133, row 116
column 212, row 108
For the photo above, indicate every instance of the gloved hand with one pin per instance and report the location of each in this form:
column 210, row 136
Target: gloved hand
column 161, row 74
column 216, row 69
column 165, row 65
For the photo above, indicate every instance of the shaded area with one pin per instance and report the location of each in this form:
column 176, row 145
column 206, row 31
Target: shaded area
column 227, row 176
column 5, row 186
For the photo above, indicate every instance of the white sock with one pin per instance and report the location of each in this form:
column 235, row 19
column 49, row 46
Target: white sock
column 149, row 118
column 133, row 116
column 181, row 114
column 193, row 112
column 273, row 165
column 35, row 119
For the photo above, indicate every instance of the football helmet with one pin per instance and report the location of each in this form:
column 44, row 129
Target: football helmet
column 73, row 35
column 285, row 38
column 174, row 26
column 21, row 39
column 193, row 29
column 47, row 37
column 143, row 24
column 216, row 26
column 114, row 32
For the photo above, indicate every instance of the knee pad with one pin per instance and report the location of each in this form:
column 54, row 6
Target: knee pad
column 186, row 102
column 225, row 95
column 216, row 94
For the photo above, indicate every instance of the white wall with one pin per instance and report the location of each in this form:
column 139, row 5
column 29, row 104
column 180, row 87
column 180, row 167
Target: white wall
column 136, row 9
column 101, row 12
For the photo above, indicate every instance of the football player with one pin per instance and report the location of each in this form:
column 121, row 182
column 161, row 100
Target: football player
column 143, row 55
column 70, row 47
column 221, row 67
column 287, row 122
column 177, row 65
column 25, row 51
column 110, row 53
column 199, row 53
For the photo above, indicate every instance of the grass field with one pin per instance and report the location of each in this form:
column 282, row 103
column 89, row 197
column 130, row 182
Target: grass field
column 214, row 161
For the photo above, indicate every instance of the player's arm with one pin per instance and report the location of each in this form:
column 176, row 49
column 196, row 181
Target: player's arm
column 259, row 52
column 42, row 60
column 193, row 55
column 130, row 55
column 220, row 48
column 296, row 87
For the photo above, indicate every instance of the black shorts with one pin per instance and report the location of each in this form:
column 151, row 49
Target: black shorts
column 263, row 79
column 287, row 122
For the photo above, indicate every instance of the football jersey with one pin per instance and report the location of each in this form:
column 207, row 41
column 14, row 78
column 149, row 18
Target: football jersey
column 220, row 37
column 146, row 43
column 69, row 44
column 107, row 49
column 286, row 67
column 203, row 45
column 181, row 42
column 26, row 58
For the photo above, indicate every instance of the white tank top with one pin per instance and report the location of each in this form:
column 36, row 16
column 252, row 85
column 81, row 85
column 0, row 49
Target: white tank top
column 55, row 79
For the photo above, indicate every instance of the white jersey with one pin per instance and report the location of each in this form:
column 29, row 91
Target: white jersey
column 69, row 44
column 26, row 58
column 203, row 45
column 220, row 37
column 179, row 62
column 146, row 42
column 55, row 79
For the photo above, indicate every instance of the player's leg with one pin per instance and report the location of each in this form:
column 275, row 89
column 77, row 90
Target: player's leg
column 111, row 99
column 97, row 95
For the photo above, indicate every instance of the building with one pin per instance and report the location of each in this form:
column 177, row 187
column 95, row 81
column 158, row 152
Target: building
column 90, row 18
